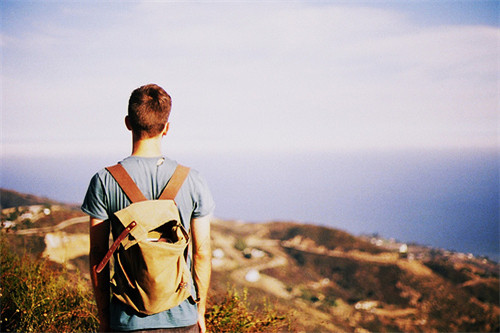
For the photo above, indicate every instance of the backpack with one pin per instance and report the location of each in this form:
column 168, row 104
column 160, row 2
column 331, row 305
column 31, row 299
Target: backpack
column 150, row 247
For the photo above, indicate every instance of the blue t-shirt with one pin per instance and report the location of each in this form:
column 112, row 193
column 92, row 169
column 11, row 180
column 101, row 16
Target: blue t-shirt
column 104, row 197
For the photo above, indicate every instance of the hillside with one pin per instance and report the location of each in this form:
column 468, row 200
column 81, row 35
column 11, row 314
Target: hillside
column 10, row 198
column 326, row 280
column 338, row 282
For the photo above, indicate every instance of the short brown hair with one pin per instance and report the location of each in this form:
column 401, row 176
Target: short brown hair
column 148, row 110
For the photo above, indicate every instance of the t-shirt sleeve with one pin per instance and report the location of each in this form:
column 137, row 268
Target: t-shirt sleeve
column 95, row 202
column 204, row 203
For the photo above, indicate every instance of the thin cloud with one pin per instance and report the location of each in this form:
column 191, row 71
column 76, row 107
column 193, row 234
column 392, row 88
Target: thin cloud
column 246, row 76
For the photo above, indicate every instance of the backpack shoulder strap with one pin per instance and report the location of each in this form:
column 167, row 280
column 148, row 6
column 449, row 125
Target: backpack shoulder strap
column 174, row 184
column 126, row 183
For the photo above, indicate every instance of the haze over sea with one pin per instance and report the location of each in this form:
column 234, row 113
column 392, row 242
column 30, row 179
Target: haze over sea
column 443, row 198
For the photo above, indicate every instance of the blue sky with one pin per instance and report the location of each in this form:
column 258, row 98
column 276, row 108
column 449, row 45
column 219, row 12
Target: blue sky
column 252, row 76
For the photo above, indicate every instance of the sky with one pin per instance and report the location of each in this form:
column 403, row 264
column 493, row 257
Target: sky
column 251, row 76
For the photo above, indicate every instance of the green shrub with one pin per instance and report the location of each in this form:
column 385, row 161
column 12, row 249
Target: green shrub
column 240, row 244
column 232, row 314
column 38, row 298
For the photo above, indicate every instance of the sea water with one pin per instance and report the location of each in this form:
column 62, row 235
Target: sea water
column 446, row 198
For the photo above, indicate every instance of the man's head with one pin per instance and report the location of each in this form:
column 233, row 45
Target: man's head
column 148, row 110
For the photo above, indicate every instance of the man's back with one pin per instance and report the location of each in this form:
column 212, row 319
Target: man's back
column 105, row 197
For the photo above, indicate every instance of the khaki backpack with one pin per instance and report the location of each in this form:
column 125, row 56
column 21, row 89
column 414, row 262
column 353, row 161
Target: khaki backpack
column 150, row 270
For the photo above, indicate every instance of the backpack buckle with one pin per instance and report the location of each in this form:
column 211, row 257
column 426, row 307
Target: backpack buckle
column 182, row 285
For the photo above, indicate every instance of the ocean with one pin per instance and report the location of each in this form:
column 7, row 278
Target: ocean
column 442, row 198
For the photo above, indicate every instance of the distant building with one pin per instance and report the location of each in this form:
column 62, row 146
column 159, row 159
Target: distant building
column 8, row 224
column 27, row 216
column 218, row 258
column 403, row 251
column 366, row 305
column 256, row 253
column 252, row 275
column 218, row 253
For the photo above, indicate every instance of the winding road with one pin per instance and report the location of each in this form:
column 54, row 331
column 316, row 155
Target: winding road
column 53, row 228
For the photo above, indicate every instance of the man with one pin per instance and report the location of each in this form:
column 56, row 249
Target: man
column 147, row 119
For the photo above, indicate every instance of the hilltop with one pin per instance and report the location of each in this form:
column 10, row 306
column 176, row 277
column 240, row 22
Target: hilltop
column 325, row 279
column 10, row 198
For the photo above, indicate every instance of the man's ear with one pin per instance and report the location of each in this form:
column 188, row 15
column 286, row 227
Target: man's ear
column 127, row 123
column 165, row 129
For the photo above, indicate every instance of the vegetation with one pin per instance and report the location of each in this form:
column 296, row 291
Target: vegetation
column 233, row 314
column 240, row 244
column 9, row 198
column 39, row 296
column 322, row 236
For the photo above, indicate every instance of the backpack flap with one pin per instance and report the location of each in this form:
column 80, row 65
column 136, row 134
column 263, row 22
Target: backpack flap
column 150, row 217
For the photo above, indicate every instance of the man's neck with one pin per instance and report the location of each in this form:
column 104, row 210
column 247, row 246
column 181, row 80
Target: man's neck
column 150, row 147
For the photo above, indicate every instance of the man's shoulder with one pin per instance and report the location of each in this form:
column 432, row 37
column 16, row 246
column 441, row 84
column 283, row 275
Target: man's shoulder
column 161, row 168
column 135, row 163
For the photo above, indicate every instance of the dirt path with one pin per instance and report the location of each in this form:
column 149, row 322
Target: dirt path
column 265, row 282
column 239, row 266
column 57, row 227
column 305, row 245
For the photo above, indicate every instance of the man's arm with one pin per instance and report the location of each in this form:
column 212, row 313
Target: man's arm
column 99, row 242
column 202, row 263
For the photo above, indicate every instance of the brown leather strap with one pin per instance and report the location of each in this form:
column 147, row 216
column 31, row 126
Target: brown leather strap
column 175, row 183
column 115, row 245
column 126, row 183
